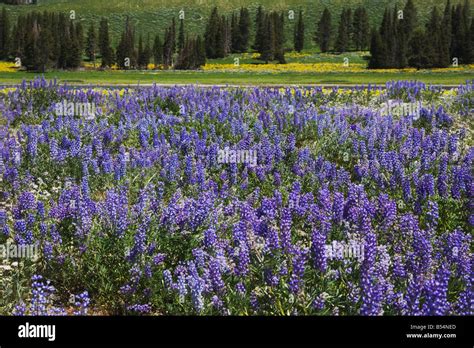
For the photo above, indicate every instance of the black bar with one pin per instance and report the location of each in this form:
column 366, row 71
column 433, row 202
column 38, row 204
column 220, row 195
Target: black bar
column 289, row 331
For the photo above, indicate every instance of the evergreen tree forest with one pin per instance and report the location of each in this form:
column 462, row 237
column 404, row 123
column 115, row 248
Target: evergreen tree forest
column 48, row 40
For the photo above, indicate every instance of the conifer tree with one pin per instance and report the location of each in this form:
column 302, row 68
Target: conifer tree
column 468, row 50
column 323, row 36
column 105, row 49
column 445, row 55
column 91, row 43
column 387, row 34
column 141, row 54
column 410, row 18
column 126, row 52
column 4, row 34
column 227, row 35
column 419, row 50
column 244, row 29
column 75, row 50
column 157, row 51
column 213, row 37
column 31, row 49
column 235, row 34
column 45, row 43
column 260, row 28
column 79, row 36
column 201, row 51
column 299, row 33
column 433, row 46
column 220, row 38
column 181, row 35
column 279, row 34
column 361, row 29
column 342, row 40
column 267, row 46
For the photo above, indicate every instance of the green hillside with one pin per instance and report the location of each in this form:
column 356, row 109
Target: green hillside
column 151, row 16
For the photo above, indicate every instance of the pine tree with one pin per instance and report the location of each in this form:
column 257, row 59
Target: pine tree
column 4, row 34
column 434, row 44
column 79, row 36
column 244, row 29
column 387, row 34
column 167, row 49
column 184, row 61
column 400, row 60
column 267, row 46
column 56, row 37
column 410, row 18
column 157, row 51
column 173, row 36
column 342, row 41
column 376, row 51
column 457, row 38
column 31, row 49
column 141, row 54
column 419, row 48
column 212, row 35
column 148, row 51
column 323, row 36
column 181, row 35
column 409, row 25
column 91, row 43
column 64, row 39
column 201, row 51
column 75, row 51
column 471, row 43
column 126, row 52
column 446, row 26
column 220, row 38
column 45, row 43
column 260, row 28
column 360, row 29
column 19, row 32
column 467, row 52
column 235, row 34
column 105, row 49
column 299, row 33
column 279, row 33
column 227, row 35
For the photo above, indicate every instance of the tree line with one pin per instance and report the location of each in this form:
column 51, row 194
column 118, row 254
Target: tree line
column 401, row 41
column 49, row 40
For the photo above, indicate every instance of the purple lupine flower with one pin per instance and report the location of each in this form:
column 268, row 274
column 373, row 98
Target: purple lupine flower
column 436, row 292
column 338, row 207
column 82, row 303
column 285, row 230
column 215, row 275
column 432, row 214
column 318, row 250
column 168, row 279
column 298, row 263
column 196, row 286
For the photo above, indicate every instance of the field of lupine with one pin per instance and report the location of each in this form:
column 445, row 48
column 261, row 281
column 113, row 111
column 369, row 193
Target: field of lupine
column 133, row 213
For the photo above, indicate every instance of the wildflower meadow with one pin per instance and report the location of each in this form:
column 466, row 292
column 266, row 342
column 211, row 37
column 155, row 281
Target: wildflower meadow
column 236, row 201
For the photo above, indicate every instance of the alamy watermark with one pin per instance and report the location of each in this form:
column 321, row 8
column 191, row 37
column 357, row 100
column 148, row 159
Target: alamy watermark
column 228, row 156
column 15, row 251
column 398, row 108
column 341, row 250
column 65, row 108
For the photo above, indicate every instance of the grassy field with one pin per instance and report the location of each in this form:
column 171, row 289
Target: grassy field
column 153, row 16
column 241, row 78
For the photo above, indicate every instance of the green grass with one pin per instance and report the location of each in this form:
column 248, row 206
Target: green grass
column 153, row 16
column 223, row 78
